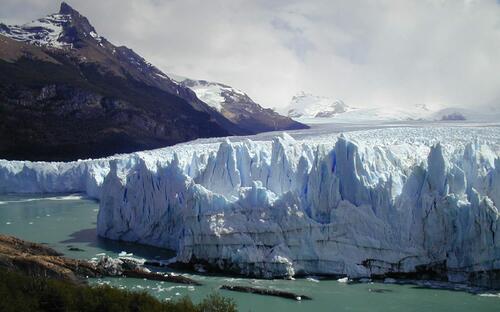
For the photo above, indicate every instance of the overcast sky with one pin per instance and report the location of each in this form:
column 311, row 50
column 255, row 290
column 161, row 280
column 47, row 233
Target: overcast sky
column 367, row 53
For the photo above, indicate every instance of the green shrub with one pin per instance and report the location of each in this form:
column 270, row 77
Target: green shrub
column 217, row 303
column 22, row 293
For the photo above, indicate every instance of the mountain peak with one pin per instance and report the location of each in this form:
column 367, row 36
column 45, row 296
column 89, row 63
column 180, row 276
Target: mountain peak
column 65, row 29
column 309, row 105
column 67, row 9
column 80, row 26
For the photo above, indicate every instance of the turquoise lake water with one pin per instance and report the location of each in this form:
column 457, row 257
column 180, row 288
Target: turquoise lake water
column 62, row 221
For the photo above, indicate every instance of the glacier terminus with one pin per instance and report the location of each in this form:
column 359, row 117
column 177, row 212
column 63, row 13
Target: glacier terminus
column 382, row 202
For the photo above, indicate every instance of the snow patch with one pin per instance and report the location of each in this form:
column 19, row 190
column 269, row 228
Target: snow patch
column 42, row 32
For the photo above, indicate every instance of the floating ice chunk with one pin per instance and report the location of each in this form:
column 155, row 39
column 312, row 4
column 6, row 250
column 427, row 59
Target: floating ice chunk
column 312, row 279
column 497, row 295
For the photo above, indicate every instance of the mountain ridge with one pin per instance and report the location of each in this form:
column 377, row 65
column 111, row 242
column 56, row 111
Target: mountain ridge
column 238, row 107
column 312, row 108
column 58, row 76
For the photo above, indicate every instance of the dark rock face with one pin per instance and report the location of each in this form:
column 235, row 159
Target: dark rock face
column 41, row 261
column 37, row 260
column 67, row 116
column 453, row 116
column 252, row 117
column 66, row 9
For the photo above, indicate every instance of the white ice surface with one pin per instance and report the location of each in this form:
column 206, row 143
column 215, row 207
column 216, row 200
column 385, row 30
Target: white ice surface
column 360, row 203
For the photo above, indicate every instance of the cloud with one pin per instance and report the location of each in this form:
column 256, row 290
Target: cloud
column 392, row 53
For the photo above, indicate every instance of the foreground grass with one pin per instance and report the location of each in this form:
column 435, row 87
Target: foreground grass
column 22, row 293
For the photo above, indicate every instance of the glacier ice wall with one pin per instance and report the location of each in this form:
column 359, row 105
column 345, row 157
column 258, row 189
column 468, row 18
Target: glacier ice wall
column 289, row 208
column 367, row 203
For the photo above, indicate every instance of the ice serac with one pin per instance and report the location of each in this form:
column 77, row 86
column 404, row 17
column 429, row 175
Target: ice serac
column 337, row 206
column 376, row 202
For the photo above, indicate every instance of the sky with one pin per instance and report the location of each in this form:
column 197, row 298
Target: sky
column 391, row 53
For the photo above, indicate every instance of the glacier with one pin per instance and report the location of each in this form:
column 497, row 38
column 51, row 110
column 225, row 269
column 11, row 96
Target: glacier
column 366, row 203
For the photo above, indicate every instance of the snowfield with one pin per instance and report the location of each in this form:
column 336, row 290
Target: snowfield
column 42, row 32
column 312, row 109
column 212, row 93
column 304, row 105
column 360, row 203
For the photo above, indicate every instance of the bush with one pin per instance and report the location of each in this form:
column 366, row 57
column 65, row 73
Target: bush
column 22, row 293
column 217, row 303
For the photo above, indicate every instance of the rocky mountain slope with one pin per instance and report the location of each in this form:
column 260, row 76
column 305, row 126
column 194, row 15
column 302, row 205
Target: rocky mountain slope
column 238, row 107
column 68, row 93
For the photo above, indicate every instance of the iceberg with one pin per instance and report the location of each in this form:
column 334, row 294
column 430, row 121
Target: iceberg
column 361, row 204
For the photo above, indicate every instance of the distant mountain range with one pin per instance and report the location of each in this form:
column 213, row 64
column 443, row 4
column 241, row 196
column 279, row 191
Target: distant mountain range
column 311, row 108
column 68, row 93
column 306, row 105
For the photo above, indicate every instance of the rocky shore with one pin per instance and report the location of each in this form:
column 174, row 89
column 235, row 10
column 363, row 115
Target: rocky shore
column 38, row 260
column 266, row 292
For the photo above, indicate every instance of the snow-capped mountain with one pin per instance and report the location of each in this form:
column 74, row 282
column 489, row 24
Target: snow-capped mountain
column 309, row 108
column 312, row 108
column 238, row 107
column 70, row 78
column 418, row 112
column 69, row 34
column 45, row 32
column 306, row 105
